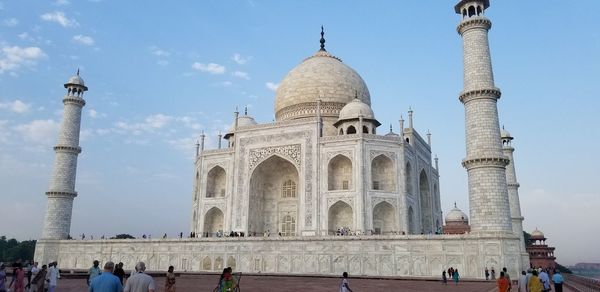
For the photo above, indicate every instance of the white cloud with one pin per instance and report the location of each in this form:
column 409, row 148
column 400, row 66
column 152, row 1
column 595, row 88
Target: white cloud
column 25, row 36
column 39, row 131
column 62, row 2
column 241, row 74
column 16, row 106
column 84, row 40
column 60, row 18
column 95, row 114
column 11, row 22
column 272, row 86
column 211, row 68
column 159, row 52
column 12, row 58
column 162, row 62
column 240, row 59
column 226, row 83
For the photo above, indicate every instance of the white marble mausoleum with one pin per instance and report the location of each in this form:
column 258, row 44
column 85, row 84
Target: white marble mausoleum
column 323, row 189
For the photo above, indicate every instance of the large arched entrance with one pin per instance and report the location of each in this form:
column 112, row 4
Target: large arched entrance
column 273, row 197
column 384, row 221
column 340, row 217
column 425, row 196
column 213, row 221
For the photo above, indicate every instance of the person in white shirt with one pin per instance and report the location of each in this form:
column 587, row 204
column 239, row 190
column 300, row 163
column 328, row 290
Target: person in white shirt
column 52, row 276
column 344, row 285
column 523, row 282
column 33, row 272
column 140, row 282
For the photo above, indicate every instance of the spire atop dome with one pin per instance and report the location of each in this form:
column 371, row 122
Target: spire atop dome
column 246, row 110
column 322, row 41
column 77, row 71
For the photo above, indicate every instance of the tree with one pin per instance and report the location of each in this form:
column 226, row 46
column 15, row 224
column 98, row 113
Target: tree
column 12, row 250
column 527, row 236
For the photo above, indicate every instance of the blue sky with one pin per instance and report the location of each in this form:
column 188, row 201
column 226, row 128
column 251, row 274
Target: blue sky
column 160, row 72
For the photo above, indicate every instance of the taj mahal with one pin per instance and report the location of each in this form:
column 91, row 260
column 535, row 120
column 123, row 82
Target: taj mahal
column 322, row 189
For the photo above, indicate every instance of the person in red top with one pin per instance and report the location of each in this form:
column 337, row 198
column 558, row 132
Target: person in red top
column 503, row 283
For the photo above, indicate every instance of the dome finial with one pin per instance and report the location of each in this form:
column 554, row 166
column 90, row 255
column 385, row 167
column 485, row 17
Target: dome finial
column 77, row 71
column 245, row 110
column 322, row 41
column 455, row 204
column 390, row 127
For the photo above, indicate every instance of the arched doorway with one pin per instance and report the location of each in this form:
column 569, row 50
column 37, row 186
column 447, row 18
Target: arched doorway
column 215, row 182
column 408, row 179
column 339, row 173
column 411, row 221
column 340, row 216
column 384, row 219
column 213, row 221
column 383, row 176
column 273, row 195
column 425, row 196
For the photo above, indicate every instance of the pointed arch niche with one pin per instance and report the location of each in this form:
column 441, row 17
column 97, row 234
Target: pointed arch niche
column 339, row 173
column 425, row 197
column 383, row 176
column 213, row 221
column 340, row 215
column 216, row 182
column 384, row 220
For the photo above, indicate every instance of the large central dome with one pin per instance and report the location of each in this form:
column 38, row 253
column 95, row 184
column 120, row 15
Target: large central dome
column 321, row 76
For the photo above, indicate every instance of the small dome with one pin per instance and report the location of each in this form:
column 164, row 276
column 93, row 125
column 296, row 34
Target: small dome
column 537, row 234
column 76, row 80
column 504, row 134
column 355, row 109
column 320, row 77
column 243, row 121
column 392, row 134
column 456, row 215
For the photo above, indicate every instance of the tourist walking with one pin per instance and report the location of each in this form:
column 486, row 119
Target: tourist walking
column 93, row 272
column 19, row 279
column 487, row 274
column 170, row 280
column 106, row 282
column 140, row 281
column 507, row 276
column 2, row 277
column 523, row 282
column 37, row 284
column 503, row 283
column 227, row 282
column 534, row 284
column 52, row 276
column 455, row 276
column 444, row 278
column 493, row 274
column 345, row 285
column 119, row 272
column 558, row 280
column 545, row 280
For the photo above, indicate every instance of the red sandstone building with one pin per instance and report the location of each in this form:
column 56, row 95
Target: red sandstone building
column 540, row 254
column 457, row 222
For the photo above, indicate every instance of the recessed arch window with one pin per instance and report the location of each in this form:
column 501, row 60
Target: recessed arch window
column 289, row 189
column 351, row 130
column 288, row 226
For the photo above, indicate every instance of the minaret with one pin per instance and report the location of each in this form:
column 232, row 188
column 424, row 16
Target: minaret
column 485, row 162
column 61, row 193
column 513, row 188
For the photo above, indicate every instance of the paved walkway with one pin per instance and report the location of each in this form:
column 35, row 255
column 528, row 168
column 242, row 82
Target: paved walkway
column 189, row 283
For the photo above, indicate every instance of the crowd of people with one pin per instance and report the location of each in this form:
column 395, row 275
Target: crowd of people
column 532, row 280
column 29, row 277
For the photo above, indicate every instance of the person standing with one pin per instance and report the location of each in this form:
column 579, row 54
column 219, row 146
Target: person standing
column 37, row 284
column 444, row 278
column 534, row 284
column 455, row 276
column 523, row 282
column 170, row 280
column 119, row 272
column 93, row 272
column 33, row 271
column 558, row 280
column 2, row 277
column 140, row 281
column 545, row 280
column 507, row 276
column 52, row 276
column 345, row 285
column 493, row 274
column 19, row 278
column 487, row 274
column 106, row 282
column 503, row 283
